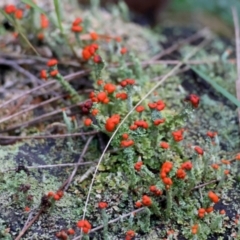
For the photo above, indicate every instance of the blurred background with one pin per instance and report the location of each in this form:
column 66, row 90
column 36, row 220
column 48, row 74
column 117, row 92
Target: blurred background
column 216, row 14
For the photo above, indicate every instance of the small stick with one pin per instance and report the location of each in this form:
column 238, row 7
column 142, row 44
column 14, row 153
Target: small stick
column 25, row 228
column 79, row 161
column 49, row 136
column 52, row 166
column 37, row 119
column 177, row 45
column 24, row 72
column 47, row 84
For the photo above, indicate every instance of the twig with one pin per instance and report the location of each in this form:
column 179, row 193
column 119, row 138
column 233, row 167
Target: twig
column 36, row 106
column 48, row 136
column 25, row 228
column 37, row 119
column 47, row 84
column 203, row 185
column 237, row 37
column 13, row 64
column 79, row 161
column 52, row 166
column 114, row 220
column 176, row 46
column 29, row 217
column 175, row 62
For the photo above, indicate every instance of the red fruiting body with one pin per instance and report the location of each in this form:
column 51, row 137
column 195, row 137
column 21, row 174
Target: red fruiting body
column 43, row 74
column 127, row 143
column 153, row 188
column 141, row 123
column 112, row 122
column 118, row 39
column 88, row 122
column 86, row 106
column 101, row 97
column 60, row 193
column 27, row 209
column 94, row 112
column 122, row 95
column 84, row 225
column 97, row 59
column 187, row 165
column 52, row 62
column 194, row 99
column 102, row 205
column 99, row 82
column 211, row 134
column 56, row 197
column 138, row 166
column 146, row 200
column 194, row 229
column 133, row 127
column 201, row 212
column 213, row 197
column 9, row 9
column 44, row 21
column 94, row 36
column 62, row 235
column 167, row 181
column 123, row 50
column 181, row 174
column 54, row 73
column 139, row 108
column 152, row 105
column 126, row 82
column 215, row 166
column 237, row 157
column 50, row 194
column 125, row 136
column 138, row 204
column 164, row 145
column 209, row 209
column 76, row 28
column 109, row 87
column 130, row 235
column 77, row 21
column 160, row 105
column 158, row 121
column 178, row 135
column 18, row 14
column 199, row 150
column 70, row 231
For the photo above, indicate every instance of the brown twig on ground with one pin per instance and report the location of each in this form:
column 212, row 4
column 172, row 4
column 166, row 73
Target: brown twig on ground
column 36, row 106
column 179, row 44
column 38, row 119
column 69, row 180
column 193, row 62
column 48, row 136
column 47, row 84
column 26, row 227
column 35, row 81
column 204, row 184
column 52, row 166
column 237, row 37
